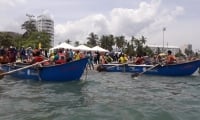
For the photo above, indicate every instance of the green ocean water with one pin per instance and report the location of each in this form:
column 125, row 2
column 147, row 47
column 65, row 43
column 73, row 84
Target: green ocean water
column 102, row 96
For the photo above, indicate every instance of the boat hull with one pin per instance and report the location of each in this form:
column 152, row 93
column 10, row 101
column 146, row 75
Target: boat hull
column 62, row 72
column 181, row 69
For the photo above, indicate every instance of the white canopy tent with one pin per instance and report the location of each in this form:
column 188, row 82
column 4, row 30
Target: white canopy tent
column 97, row 48
column 83, row 48
column 63, row 45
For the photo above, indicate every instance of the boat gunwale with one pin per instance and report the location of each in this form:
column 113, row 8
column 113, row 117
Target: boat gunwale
column 151, row 65
column 21, row 64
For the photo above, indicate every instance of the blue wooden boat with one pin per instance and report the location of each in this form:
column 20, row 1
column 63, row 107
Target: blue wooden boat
column 180, row 69
column 60, row 72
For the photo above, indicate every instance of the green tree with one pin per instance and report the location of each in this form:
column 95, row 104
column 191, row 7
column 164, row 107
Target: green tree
column 132, row 41
column 44, row 39
column 139, row 45
column 35, row 38
column 148, row 51
column 92, row 39
column 77, row 43
column 107, row 42
column 18, row 41
column 104, row 41
column 29, row 26
column 111, row 42
column 120, row 41
column 32, row 37
column 129, row 51
column 68, row 41
column 143, row 40
column 6, row 40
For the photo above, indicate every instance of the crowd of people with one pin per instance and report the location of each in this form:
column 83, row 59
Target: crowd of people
column 26, row 55
column 139, row 59
column 169, row 58
column 59, row 56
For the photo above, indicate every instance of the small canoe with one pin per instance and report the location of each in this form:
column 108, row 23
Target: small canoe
column 180, row 69
column 59, row 72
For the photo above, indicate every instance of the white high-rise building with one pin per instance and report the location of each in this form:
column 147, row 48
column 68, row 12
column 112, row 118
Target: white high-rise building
column 46, row 24
column 186, row 46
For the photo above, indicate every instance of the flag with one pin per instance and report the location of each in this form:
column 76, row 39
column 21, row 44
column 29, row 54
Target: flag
column 164, row 29
column 39, row 45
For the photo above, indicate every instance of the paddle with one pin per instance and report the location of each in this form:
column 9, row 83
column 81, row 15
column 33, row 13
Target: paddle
column 2, row 73
column 137, row 74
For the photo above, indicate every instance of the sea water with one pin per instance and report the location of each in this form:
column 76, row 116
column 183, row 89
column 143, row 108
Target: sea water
column 102, row 96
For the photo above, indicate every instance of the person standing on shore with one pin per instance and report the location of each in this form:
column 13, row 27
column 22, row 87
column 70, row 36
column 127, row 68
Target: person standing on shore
column 90, row 60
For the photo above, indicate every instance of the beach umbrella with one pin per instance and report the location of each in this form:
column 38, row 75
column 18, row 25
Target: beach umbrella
column 83, row 48
column 63, row 45
column 97, row 48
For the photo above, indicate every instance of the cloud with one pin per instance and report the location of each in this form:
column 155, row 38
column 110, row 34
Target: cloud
column 79, row 30
column 165, row 18
column 47, row 13
column 130, row 21
column 10, row 23
column 5, row 4
column 148, row 19
column 120, row 21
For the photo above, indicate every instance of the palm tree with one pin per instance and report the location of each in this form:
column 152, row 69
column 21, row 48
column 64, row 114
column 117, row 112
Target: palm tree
column 139, row 45
column 120, row 41
column 77, row 43
column 68, row 41
column 92, row 39
column 103, row 41
column 107, row 42
column 143, row 40
column 132, row 40
column 139, row 48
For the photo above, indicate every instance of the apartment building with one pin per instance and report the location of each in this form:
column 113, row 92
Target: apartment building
column 45, row 23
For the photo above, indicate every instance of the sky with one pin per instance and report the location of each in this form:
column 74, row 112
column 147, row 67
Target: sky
column 76, row 19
